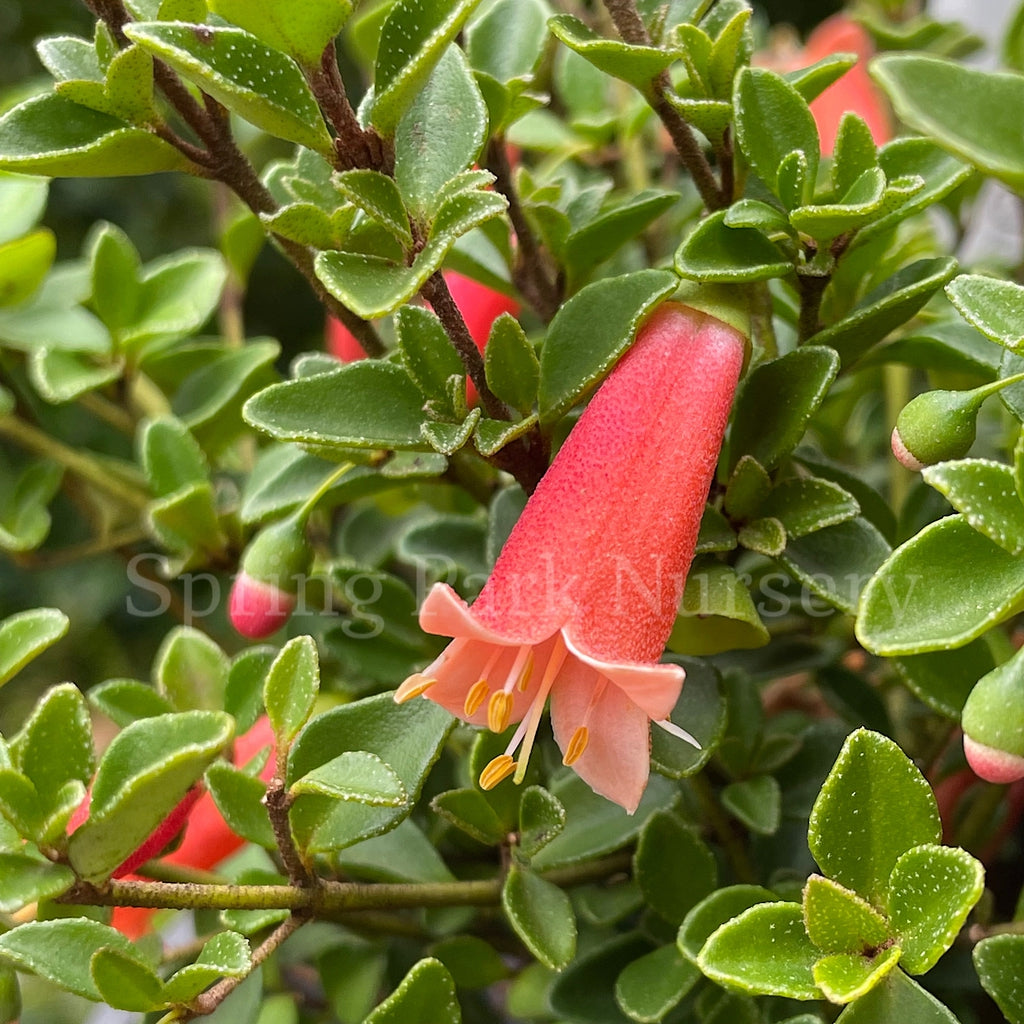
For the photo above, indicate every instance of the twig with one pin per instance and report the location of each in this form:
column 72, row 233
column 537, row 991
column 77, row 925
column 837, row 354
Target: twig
column 632, row 29
column 531, row 272
column 214, row 996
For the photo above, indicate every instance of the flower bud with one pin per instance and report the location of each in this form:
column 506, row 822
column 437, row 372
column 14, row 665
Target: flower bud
column 264, row 593
column 993, row 723
column 935, row 427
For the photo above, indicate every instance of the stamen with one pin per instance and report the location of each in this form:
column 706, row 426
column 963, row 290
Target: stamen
column 477, row 693
column 499, row 710
column 500, row 768
column 674, row 730
column 555, row 661
column 524, row 678
column 578, row 743
column 415, row 686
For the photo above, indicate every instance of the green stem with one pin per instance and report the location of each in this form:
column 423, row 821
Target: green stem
column 330, row 480
column 723, row 828
column 329, row 899
column 34, row 440
column 896, row 388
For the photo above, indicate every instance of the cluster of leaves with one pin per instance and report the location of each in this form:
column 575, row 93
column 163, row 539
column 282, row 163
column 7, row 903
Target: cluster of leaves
column 591, row 163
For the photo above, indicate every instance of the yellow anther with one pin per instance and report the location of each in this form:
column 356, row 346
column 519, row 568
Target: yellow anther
column 578, row 743
column 477, row 692
column 499, row 709
column 524, row 678
column 498, row 769
column 415, row 686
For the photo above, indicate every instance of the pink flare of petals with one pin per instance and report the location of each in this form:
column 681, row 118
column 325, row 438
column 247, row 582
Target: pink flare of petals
column 993, row 764
column 584, row 594
column 258, row 609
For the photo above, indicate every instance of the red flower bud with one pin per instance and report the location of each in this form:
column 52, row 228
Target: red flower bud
column 993, row 723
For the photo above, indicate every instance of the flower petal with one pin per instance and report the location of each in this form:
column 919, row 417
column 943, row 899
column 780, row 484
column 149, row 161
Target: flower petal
column 653, row 688
column 617, row 758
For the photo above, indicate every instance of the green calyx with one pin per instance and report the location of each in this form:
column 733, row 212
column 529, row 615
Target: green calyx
column 279, row 553
column 942, row 425
column 994, row 712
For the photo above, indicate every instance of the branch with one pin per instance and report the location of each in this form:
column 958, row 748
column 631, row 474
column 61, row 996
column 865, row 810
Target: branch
column 531, row 270
column 632, row 29
column 436, row 292
column 327, row 900
column 354, row 146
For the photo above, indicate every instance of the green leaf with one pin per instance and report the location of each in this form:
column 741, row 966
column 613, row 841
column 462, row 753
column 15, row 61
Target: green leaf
column 940, row 589
column 603, row 235
column 60, row 951
column 766, row 536
column 932, row 889
column 716, row 614
column 595, row 826
column 355, row 775
column 239, row 798
column 24, row 515
column 653, row 984
column 367, row 404
column 505, row 42
column 541, row 818
column 701, row 711
column 915, row 158
column 673, row 867
column 291, row 688
column 773, row 121
column 873, row 807
column 715, row 910
column 999, row 961
column 22, row 202
column 147, row 769
column 941, row 98
column 807, row 504
column 190, row 670
column 590, row 332
column 413, row 38
column 24, row 262
column 378, row 195
column 764, row 950
column 897, row 998
column 756, row 802
column 837, row 562
column 427, row 353
column 470, row 811
column 25, row 880
column 250, row 78
column 844, row 977
column 990, row 305
column 943, row 679
column 985, row 493
column 126, row 700
column 226, row 955
column 171, row 458
column 513, row 370
column 887, row 307
column 426, row 995
column 124, row 982
column 714, row 251
column 777, row 402
column 440, row 134
column 302, row 31
column 55, row 745
column 27, row 634
column 839, row 921
column 637, row 65
column 63, row 376
column 586, row 989
column 51, row 135
column 406, row 737
column 541, row 915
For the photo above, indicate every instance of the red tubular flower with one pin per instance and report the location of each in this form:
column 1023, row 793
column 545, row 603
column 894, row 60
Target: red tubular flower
column 854, row 91
column 479, row 305
column 585, row 591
